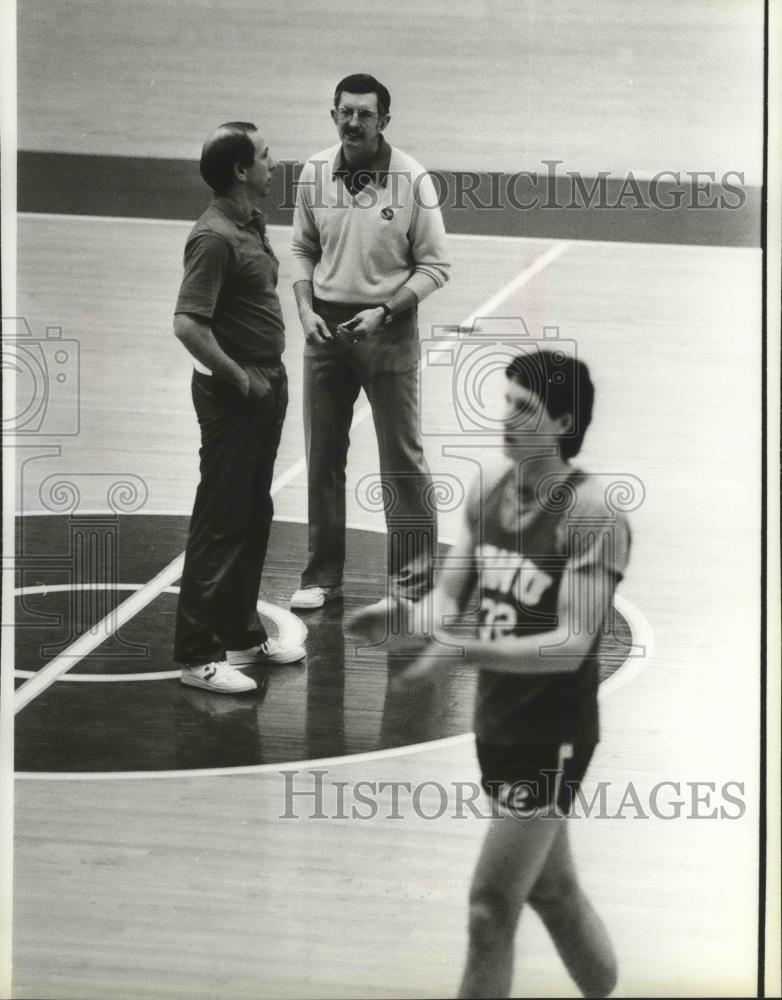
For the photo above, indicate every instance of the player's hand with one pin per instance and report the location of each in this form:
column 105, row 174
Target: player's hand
column 394, row 622
column 315, row 329
column 426, row 668
column 362, row 325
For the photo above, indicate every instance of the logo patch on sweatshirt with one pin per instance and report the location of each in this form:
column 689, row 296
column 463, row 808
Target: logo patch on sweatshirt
column 387, row 214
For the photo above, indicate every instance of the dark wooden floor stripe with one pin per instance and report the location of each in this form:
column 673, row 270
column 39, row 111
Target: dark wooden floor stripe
column 339, row 701
column 481, row 203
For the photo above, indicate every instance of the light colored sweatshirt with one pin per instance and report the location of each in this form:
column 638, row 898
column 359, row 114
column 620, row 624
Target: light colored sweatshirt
column 363, row 248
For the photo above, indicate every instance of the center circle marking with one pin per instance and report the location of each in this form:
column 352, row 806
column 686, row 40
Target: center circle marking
column 291, row 628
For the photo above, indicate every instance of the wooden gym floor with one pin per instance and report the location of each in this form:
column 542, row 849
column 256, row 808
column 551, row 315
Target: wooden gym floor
column 134, row 884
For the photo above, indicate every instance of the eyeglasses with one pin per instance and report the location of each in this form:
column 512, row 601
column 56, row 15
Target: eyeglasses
column 346, row 114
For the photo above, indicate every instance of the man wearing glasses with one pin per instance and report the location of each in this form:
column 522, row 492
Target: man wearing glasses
column 368, row 245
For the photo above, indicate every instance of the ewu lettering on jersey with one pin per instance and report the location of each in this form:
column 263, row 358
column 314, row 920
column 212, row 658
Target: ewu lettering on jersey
column 521, row 551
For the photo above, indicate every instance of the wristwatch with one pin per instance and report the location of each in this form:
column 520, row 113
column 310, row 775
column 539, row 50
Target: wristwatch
column 387, row 314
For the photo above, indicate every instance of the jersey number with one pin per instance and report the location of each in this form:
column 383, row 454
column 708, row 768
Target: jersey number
column 497, row 617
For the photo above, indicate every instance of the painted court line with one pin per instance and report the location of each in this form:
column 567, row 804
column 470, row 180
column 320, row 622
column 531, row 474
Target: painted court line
column 170, row 574
column 282, row 227
column 92, row 639
column 291, row 631
column 120, row 616
column 642, row 638
column 488, row 307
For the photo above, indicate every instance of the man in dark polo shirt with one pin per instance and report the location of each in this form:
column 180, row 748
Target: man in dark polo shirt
column 228, row 317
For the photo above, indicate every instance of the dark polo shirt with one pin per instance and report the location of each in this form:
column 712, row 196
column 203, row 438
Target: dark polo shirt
column 230, row 282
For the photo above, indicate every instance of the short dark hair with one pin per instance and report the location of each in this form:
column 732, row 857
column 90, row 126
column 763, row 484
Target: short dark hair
column 363, row 83
column 230, row 144
column 564, row 386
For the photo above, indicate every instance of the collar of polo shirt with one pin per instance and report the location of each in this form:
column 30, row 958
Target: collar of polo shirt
column 232, row 211
column 378, row 165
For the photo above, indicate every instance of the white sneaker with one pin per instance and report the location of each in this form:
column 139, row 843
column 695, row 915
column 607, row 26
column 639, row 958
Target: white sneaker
column 219, row 677
column 271, row 651
column 309, row 598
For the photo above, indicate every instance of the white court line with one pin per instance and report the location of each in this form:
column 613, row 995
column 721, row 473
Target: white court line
column 640, row 630
column 167, row 576
column 488, row 307
column 281, row 227
column 207, row 772
column 120, row 616
column 291, row 630
column 642, row 636
column 92, row 639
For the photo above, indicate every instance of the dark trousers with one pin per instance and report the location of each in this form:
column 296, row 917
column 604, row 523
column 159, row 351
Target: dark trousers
column 332, row 381
column 232, row 514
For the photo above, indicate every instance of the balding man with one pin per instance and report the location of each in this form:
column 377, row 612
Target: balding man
column 228, row 317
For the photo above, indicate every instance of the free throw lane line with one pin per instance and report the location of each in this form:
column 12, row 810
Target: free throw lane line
column 129, row 608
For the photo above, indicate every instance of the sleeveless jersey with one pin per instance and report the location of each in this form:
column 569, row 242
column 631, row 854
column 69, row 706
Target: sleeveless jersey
column 521, row 553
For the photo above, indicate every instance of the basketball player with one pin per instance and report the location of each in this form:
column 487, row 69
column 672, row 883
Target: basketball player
column 544, row 554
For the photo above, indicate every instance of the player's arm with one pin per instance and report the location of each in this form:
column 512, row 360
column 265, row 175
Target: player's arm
column 585, row 598
column 431, row 617
column 428, row 618
column 455, row 583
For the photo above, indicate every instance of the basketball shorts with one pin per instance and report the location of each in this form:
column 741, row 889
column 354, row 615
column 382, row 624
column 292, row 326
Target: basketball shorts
column 525, row 779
